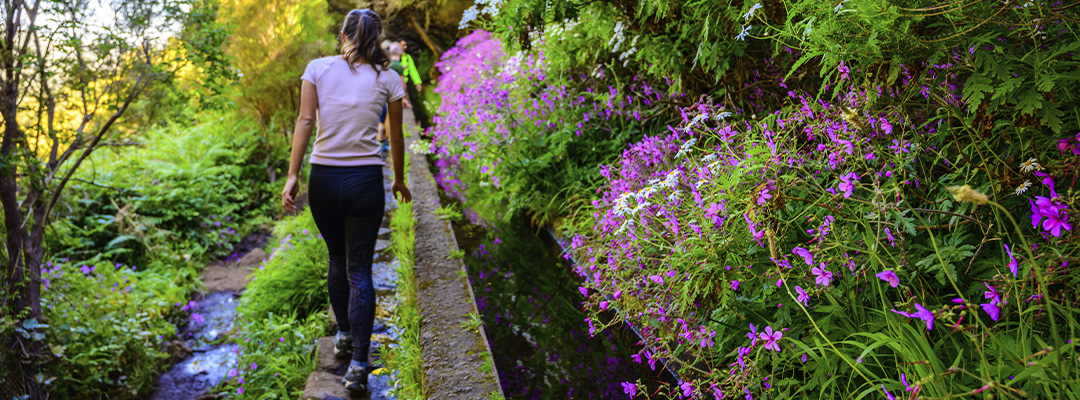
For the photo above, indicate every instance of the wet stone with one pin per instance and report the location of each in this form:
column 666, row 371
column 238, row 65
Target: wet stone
column 326, row 359
column 384, row 276
column 381, row 245
column 323, row 385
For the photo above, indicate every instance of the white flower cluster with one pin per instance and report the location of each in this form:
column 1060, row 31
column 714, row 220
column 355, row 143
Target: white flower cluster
column 617, row 40
column 420, row 147
column 491, row 7
column 672, row 179
column 559, row 30
column 512, row 66
column 686, row 147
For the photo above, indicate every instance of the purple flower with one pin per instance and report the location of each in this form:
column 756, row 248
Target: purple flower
column 887, row 394
column 735, row 285
column 847, row 183
column 753, row 335
column 803, row 297
column 822, row 276
column 629, row 388
column 1012, row 260
column 687, row 389
column 713, row 213
column 921, row 313
column 240, row 390
column 584, row 291
column 1055, row 215
column 770, row 337
column 254, row 366
column 992, row 294
column 706, row 337
column 889, row 276
column 805, row 254
column 992, row 310
column 844, row 70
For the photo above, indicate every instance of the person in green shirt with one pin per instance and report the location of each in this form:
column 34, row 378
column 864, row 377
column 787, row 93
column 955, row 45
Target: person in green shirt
column 395, row 52
column 414, row 86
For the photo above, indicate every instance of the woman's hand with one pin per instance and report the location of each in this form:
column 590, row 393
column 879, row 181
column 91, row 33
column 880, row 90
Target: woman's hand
column 401, row 189
column 288, row 195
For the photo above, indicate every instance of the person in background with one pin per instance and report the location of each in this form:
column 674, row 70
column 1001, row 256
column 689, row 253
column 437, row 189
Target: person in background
column 394, row 51
column 414, row 86
column 344, row 94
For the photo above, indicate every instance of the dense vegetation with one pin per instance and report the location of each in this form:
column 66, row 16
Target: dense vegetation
column 860, row 199
column 143, row 140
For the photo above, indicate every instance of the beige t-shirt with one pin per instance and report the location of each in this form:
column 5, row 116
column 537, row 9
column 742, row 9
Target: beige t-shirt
column 350, row 103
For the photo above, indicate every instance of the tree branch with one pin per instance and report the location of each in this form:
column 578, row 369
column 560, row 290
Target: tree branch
column 136, row 90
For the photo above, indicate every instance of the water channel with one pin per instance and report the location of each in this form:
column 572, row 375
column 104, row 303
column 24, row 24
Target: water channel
column 531, row 308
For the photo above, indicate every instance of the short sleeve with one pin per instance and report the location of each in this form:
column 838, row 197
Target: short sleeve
column 309, row 72
column 392, row 82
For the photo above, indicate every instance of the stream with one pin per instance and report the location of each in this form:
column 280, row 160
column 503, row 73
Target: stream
column 531, row 308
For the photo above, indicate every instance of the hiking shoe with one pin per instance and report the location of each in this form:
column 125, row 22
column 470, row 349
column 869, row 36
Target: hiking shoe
column 356, row 378
column 342, row 345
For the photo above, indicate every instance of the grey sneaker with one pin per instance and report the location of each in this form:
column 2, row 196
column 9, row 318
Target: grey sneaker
column 356, row 378
column 342, row 345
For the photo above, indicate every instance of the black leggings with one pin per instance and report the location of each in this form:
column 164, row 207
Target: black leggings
column 348, row 204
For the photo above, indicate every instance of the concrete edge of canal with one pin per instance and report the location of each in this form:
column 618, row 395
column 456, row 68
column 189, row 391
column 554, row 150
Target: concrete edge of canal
column 454, row 356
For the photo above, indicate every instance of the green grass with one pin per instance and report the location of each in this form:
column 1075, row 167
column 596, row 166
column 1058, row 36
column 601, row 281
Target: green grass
column 281, row 314
column 449, row 212
column 473, row 322
column 404, row 361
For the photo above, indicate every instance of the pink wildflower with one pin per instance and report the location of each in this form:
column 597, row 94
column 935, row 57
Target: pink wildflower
column 770, row 337
column 889, row 276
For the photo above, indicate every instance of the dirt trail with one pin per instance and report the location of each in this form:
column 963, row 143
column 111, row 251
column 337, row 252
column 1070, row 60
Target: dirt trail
column 452, row 354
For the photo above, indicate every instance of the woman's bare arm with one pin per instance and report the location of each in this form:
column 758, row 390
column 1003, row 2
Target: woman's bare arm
column 397, row 150
column 305, row 124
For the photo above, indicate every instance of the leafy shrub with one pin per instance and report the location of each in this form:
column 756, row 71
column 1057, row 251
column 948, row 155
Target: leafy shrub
column 784, row 233
column 106, row 324
column 506, row 136
column 292, row 280
column 186, row 195
column 282, row 313
column 821, row 252
column 277, row 354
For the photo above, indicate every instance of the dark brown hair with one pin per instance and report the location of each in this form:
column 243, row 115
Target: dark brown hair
column 361, row 45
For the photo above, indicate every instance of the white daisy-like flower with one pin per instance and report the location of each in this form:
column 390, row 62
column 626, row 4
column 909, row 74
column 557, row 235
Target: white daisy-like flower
column 1023, row 187
column 1030, row 165
column 672, row 179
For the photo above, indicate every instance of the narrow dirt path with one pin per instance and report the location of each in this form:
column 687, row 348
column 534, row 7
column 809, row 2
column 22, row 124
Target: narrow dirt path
column 453, row 355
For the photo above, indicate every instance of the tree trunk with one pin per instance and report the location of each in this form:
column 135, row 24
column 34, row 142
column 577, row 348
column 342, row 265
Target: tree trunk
column 24, row 258
column 411, row 20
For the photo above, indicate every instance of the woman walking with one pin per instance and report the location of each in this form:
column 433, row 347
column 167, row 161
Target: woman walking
column 345, row 94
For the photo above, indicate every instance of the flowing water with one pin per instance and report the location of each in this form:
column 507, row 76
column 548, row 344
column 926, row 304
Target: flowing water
column 531, row 307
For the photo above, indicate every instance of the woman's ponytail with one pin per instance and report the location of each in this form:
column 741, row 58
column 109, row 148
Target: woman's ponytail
column 361, row 43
